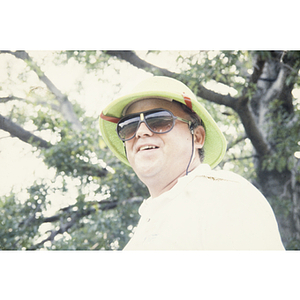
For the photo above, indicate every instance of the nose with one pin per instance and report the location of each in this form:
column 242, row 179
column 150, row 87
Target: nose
column 143, row 130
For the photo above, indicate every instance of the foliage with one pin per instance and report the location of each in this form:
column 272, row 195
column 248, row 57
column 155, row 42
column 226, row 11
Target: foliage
column 104, row 212
column 20, row 221
column 101, row 230
column 92, row 59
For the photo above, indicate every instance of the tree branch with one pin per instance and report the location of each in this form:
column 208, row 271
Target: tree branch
column 10, row 98
column 235, row 142
column 251, row 128
column 246, row 115
column 134, row 60
column 103, row 205
column 65, row 105
column 44, row 103
column 19, row 132
column 27, row 59
column 276, row 87
column 217, row 98
column 293, row 122
column 258, row 69
column 234, row 158
column 240, row 105
column 202, row 92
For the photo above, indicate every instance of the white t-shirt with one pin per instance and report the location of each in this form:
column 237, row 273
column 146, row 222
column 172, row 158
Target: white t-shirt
column 207, row 210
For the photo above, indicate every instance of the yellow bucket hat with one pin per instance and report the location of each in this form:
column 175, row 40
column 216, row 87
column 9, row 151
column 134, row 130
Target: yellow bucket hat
column 168, row 89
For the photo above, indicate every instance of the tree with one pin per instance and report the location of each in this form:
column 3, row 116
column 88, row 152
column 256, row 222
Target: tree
column 73, row 149
column 260, row 119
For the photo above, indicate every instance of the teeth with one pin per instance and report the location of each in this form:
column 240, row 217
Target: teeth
column 147, row 147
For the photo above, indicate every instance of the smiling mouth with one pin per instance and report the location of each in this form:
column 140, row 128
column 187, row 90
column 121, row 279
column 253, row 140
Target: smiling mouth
column 143, row 148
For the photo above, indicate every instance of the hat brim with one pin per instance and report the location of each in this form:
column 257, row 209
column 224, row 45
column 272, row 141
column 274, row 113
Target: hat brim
column 215, row 143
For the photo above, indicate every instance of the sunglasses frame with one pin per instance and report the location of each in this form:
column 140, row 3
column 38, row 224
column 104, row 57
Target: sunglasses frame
column 143, row 119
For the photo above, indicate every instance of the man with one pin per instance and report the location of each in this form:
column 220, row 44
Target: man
column 172, row 143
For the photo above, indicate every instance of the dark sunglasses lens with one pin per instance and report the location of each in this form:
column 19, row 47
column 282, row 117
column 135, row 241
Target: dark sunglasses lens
column 160, row 122
column 127, row 127
column 157, row 121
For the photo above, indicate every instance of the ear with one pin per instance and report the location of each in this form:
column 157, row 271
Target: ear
column 199, row 137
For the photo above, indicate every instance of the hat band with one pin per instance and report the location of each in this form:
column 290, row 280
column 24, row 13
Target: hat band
column 187, row 101
column 109, row 119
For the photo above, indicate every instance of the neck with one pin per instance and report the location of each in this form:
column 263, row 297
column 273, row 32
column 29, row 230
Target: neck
column 158, row 187
column 157, row 190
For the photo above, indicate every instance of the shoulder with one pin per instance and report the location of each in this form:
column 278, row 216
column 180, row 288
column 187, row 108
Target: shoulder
column 234, row 213
column 226, row 184
column 205, row 171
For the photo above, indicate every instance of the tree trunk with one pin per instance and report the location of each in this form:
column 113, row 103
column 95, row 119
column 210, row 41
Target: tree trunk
column 272, row 108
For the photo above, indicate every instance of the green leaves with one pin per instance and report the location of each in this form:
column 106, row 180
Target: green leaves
column 20, row 221
column 92, row 59
column 283, row 139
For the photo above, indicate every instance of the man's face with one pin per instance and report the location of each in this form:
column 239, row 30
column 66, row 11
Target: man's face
column 170, row 157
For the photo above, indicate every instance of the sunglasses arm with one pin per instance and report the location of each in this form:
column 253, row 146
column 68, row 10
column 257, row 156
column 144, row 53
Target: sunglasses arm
column 191, row 125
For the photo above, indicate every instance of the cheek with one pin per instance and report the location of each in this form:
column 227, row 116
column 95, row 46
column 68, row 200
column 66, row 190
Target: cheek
column 128, row 149
column 179, row 142
column 182, row 135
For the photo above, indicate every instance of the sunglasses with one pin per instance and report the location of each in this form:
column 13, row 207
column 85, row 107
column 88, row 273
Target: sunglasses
column 157, row 120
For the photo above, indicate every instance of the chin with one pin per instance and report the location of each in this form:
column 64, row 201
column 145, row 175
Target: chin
column 147, row 170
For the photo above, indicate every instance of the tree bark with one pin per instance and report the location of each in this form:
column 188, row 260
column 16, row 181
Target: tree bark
column 17, row 131
column 273, row 98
